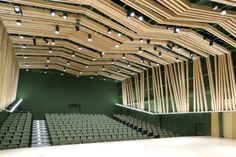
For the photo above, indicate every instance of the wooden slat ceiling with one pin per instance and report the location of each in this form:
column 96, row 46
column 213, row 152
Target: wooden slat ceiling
column 108, row 54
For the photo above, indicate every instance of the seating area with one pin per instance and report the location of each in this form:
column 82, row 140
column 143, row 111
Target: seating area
column 15, row 131
column 146, row 128
column 88, row 128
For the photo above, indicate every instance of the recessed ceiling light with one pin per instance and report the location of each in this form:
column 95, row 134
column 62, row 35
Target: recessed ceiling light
column 118, row 34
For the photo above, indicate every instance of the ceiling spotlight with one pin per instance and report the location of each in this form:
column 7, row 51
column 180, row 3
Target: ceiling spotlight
column 149, row 63
column 26, row 64
column 18, row 22
column 68, row 63
column 96, row 73
column 117, row 46
column 118, row 70
column 89, row 37
column 52, row 12
column 48, row 60
column 62, row 74
column 53, row 42
column 109, row 74
column 192, row 55
column 25, row 57
column 57, row 29
column 141, row 40
column 215, row 6
column 94, row 59
column 34, row 41
column 160, row 55
column 132, row 13
column 46, row 66
column 223, row 12
column 179, row 48
column 211, row 42
column 86, row 66
column 77, row 25
column 123, row 56
column 112, row 61
column 91, row 77
column 23, row 46
column 65, row 16
column 142, row 60
column 140, row 50
column 109, row 31
column 45, row 39
column 140, row 18
column 119, row 34
column 103, row 67
column 73, row 55
column 132, row 73
column 129, row 65
column 176, row 30
column 103, row 53
column 128, row 15
column 80, row 72
column 21, row 36
column 45, row 72
column 27, row 70
column 157, row 64
column 17, row 9
column 50, row 49
column 80, row 48
column 64, row 69
column 154, row 48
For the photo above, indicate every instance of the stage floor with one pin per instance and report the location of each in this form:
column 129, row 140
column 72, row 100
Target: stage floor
column 164, row 147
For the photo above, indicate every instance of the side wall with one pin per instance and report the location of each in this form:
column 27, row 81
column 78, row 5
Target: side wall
column 51, row 93
column 9, row 69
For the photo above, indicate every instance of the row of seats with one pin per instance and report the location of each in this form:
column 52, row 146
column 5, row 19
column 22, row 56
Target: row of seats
column 88, row 128
column 146, row 128
column 15, row 131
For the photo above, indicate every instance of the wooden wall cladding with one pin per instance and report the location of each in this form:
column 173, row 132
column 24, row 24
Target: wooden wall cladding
column 9, row 69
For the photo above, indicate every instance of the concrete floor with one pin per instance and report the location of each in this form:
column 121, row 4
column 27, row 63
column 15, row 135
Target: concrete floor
column 164, row 147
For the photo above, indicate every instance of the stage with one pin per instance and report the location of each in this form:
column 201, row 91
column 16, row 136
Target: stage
column 163, row 147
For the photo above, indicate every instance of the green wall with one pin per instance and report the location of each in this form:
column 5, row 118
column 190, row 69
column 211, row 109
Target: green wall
column 51, row 93
column 3, row 117
column 189, row 124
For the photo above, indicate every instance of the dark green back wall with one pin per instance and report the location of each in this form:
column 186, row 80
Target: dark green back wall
column 47, row 93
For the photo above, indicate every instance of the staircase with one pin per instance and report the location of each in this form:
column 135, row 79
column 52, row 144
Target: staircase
column 40, row 136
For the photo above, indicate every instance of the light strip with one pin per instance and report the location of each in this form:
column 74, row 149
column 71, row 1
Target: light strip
column 151, row 113
column 135, row 109
column 16, row 105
